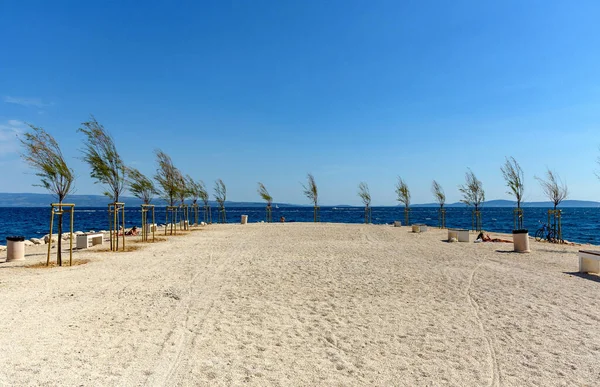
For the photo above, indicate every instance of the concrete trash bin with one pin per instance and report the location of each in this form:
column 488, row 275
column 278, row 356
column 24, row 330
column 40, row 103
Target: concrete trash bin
column 397, row 223
column 244, row 219
column 15, row 248
column 521, row 241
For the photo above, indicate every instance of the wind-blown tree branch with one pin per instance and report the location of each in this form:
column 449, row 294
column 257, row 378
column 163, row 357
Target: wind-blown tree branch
column 42, row 153
column 167, row 176
column 140, row 186
column 103, row 158
column 194, row 194
column 264, row 194
column 220, row 197
column 365, row 196
column 203, row 195
column 513, row 175
column 312, row 193
column 473, row 195
column 440, row 198
column 556, row 191
column 438, row 194
column 403, row 196
column 107, row 168
column 183, row 192
column 553, row 188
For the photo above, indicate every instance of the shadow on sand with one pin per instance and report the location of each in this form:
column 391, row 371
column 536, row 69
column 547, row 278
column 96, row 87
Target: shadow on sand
column 587, row 276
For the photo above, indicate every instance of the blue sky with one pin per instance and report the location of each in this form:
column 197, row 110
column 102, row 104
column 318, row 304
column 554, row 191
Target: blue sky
column 350, row 91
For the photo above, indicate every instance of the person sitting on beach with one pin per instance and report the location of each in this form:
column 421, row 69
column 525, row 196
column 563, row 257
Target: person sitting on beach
column 282, row 219
column 133, row 231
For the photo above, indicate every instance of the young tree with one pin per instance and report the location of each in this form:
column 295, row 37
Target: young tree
column 365, row 196
column 167, row 176
column 513, row 175
column 554, row 188
column 473, row 195
column 403, row 197
column 220, row 197
column 440, row 197
column 103, row 158
column 140, row 186
column 203, row 194
column 556, row 191
column 107, row 168
column 194, row 189
column 183, row 191
column 311, row 192
column 264, row 194
column 43, row 154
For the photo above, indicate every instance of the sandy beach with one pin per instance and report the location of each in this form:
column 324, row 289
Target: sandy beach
column 303, row 304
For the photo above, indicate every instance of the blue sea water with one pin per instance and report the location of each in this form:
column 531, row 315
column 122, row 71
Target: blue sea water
column 580, row 225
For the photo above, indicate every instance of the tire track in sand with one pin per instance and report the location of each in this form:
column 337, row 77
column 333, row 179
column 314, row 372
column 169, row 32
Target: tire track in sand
column 495, row 375
column 179, row 366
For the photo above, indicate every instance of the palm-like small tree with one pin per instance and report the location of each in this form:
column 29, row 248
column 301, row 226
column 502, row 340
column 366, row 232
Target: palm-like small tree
column 513, row 176
column 403, row 194
column 312, row 193
column 365, row 196
column 43, row 154
column 167, row 177
column 144, row 189
column 107, row 168
column 556, row 191
column 183, row 191
column 220, row 197
column 140, row 186
column 264, row 194
column 473, row 196
column 203, row 194
column 194, row 189
column 440, row 198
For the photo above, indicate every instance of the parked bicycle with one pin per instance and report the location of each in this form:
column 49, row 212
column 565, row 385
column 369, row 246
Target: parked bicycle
column 546, row 232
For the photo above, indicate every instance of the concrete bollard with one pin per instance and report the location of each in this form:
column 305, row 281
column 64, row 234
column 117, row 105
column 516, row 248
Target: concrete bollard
column 244, row 219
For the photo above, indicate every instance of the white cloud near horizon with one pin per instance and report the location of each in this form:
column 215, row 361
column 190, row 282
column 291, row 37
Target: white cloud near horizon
column 27, row 102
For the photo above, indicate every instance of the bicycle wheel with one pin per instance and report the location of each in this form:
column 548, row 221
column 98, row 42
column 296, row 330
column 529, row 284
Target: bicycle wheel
column 539, row 234
column 550, row 237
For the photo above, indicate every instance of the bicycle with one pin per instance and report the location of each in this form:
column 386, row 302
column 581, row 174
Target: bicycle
column 545, row 232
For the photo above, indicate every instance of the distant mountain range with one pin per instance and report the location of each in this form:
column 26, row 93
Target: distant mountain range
column 43, row 200
column 510, row 203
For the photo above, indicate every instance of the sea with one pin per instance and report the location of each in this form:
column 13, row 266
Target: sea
column 580, row 225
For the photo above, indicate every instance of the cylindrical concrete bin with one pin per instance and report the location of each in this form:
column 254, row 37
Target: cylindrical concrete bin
column 416, row 228
column 397, row 223
column 244, row 219
column 15, row 248
column 521, row 241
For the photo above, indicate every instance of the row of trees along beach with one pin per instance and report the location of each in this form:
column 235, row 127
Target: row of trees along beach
column 42, row 152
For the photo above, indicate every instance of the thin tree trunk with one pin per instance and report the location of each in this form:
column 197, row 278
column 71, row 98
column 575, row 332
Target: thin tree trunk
column 60, row 226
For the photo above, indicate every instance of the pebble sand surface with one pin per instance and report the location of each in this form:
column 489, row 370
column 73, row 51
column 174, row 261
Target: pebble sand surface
column 303, row 304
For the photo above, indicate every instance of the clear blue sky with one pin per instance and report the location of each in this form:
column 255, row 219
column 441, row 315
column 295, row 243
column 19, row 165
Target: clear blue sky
column 350, row 91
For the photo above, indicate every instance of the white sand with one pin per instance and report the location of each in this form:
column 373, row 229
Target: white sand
column 303, row 304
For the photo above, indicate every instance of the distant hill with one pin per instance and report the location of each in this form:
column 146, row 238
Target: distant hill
column 510, row 203
column 44, row 200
